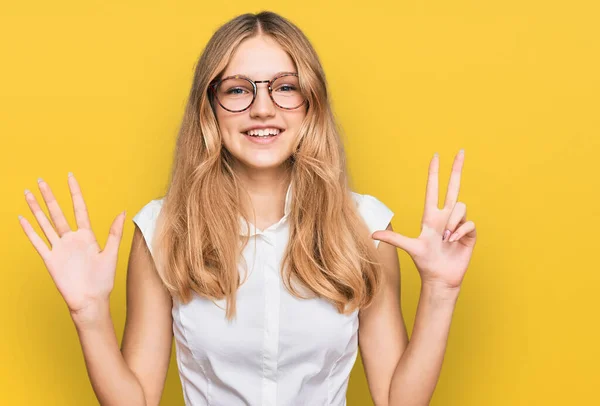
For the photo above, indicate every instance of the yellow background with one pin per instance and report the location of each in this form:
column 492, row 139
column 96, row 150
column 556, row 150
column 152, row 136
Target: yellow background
column 98, row 88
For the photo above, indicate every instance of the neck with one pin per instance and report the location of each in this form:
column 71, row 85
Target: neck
column 266, row 190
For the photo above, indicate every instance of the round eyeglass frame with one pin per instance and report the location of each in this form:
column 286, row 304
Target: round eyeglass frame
column 214, row 85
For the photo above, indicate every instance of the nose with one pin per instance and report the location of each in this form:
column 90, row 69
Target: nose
column 263, row 106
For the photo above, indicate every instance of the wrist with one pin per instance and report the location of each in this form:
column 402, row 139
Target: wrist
column 93, row 315
column 440, row 291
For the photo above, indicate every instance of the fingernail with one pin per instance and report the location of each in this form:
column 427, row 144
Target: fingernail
column 70, row 174
column 436, row 155
column 40, row 180
column 462, row 151
column 446, row 234
column 27, row 191
column 20, row 217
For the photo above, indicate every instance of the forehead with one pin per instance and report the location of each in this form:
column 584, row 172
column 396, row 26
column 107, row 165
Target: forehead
column 259, row 58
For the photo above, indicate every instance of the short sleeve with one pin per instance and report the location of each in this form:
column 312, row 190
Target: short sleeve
column 146, row 220
column 376, row 215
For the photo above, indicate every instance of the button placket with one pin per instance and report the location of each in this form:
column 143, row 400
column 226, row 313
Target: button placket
column 271, row 333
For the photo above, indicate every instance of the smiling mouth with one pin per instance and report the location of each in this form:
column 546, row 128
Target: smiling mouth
column 264, row 133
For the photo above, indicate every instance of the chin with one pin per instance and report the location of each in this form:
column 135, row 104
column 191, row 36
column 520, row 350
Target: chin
column 254, row 164
column 263, row 161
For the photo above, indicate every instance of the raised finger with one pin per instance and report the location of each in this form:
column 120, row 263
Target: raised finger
column 79, row 207
column 431, row 193
column 458, row 215
column 454, row 184
column 56, row 214
column 41, row 218
column 37, row 242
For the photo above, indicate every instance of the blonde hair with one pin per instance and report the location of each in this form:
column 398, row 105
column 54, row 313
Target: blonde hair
column 197, row 239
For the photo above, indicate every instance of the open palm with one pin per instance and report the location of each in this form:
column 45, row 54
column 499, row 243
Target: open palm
column 83, row 273
column 443, row 250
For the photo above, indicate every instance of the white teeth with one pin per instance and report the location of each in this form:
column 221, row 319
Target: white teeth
column 263, row 132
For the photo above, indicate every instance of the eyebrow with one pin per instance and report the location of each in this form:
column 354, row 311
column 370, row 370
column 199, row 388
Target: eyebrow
column 248, row 76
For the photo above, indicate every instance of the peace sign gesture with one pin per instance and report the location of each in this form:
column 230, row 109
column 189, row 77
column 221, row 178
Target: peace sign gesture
column 443, row 250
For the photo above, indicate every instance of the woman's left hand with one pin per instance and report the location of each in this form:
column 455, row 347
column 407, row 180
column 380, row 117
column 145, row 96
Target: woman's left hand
column 443, row 250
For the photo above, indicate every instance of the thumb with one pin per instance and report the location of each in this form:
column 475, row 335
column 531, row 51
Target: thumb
column 391, row 237
column 114, row 235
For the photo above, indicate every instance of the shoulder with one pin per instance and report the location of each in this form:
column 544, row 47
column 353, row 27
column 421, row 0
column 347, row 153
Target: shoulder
column 146, row 218
column 149, row 210
column 375, row 213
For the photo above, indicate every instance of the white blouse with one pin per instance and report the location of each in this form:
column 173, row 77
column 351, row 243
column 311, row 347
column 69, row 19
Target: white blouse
column 279, row 350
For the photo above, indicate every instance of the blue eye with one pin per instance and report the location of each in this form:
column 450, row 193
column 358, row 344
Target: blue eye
column 286, row 88
column 235, row 90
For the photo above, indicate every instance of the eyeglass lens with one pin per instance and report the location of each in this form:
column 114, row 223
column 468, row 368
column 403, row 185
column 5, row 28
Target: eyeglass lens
column 237, row 93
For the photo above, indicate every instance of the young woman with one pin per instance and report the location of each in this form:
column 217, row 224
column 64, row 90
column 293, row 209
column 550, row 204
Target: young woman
column 259, row 260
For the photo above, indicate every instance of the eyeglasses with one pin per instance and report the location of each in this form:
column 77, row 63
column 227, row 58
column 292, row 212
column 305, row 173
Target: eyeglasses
column 237, row 93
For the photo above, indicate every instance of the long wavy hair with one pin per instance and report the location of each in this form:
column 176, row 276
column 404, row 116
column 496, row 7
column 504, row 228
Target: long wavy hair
column 197, row 243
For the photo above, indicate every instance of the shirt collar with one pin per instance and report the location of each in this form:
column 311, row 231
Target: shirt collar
column 286, row 212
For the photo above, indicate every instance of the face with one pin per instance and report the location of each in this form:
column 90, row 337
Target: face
column 260, row 58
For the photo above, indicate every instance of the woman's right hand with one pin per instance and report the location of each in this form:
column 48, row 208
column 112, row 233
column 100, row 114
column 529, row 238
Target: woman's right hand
column 83, row 273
